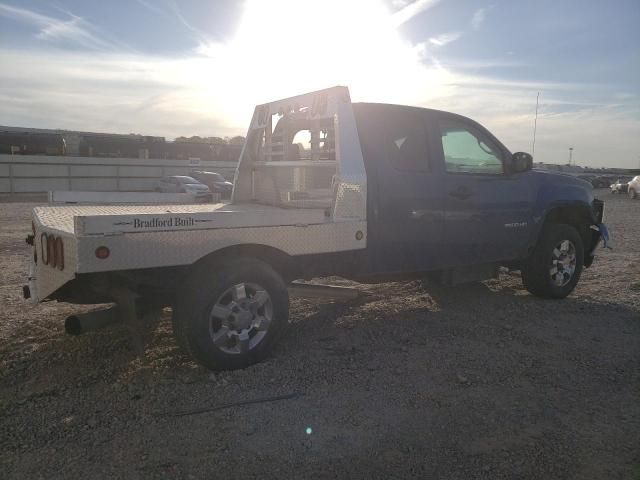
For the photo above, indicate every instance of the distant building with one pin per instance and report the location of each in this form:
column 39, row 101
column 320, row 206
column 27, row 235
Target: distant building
column 577, row 169
column 558, row 168
column 33, row 141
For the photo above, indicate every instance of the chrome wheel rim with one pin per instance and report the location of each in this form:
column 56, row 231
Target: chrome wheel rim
column 240, row 318
column 563, row 263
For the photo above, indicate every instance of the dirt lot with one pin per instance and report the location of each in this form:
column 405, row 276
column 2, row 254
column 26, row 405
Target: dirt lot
column 481, row 381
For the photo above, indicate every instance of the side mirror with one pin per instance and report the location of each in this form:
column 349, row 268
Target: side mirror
column 521, row 162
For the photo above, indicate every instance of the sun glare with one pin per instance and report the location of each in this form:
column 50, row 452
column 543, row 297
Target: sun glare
column 285, row 47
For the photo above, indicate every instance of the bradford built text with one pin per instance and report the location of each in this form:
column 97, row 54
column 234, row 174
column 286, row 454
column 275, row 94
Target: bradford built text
column 156, row 222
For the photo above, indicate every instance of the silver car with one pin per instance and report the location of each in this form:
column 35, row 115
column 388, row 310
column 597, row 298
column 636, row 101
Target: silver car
column 620, row 186
column 183, row 184
column 633, row 188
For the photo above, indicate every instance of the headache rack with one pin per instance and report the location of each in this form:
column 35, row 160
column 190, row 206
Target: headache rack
column 298, row 152
column 296, row 163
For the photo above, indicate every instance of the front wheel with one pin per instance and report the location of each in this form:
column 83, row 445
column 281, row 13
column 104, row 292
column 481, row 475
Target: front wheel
column 555, row 266
column 230, row 314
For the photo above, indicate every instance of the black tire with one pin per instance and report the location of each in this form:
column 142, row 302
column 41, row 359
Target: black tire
column 206, row 285
column 536, row 274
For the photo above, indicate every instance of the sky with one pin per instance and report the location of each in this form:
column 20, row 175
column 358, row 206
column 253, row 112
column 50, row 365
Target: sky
column 195, row 67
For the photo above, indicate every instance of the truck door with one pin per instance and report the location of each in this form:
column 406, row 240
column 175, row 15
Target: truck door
column 487, row 211
column 405, row 204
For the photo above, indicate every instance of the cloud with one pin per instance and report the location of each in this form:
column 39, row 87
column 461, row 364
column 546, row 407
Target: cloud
column 170, row 9
column 73, row 30
column 463, row 64
column 152, row 7
column 478, row 18
column 424, row 50
column 185, row 23
column 113, row 92
column 445, row 38
column 410, row 10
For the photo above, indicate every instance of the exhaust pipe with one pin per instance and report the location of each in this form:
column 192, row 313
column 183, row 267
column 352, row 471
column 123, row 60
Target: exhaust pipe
column 86, row 322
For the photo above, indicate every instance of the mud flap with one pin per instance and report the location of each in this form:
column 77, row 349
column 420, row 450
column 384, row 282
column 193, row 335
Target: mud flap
column 600, row 233
column 604, row 234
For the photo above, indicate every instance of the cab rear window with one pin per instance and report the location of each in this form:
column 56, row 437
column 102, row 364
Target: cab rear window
column 406, row 142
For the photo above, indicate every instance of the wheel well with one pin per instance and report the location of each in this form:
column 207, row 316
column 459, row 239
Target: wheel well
column 280, row 261
column 578, row 216
column 572, row 215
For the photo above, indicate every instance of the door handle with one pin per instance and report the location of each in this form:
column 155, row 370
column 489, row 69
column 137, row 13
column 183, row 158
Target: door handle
column 461, row 193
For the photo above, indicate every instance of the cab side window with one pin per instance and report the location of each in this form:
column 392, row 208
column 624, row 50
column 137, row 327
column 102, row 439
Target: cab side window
column 467, row 150
column 406, row 142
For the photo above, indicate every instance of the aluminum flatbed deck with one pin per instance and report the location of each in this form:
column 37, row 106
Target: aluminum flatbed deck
column 107, row 219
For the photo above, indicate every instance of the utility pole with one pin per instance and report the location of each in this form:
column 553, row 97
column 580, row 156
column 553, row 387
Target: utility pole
column 570, row 154
column 535, row 125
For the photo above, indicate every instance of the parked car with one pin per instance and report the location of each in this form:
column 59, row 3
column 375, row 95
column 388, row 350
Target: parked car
column 216, row 183
column 633, row 187
column 183, row 184
column 620, row 186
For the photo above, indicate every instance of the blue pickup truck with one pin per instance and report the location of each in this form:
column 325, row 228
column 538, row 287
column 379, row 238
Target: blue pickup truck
column 323, row 187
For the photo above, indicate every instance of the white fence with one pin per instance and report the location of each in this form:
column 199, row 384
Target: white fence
column 41, row 173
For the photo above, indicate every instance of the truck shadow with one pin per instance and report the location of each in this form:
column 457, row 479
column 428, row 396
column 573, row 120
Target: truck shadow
column 401, row 312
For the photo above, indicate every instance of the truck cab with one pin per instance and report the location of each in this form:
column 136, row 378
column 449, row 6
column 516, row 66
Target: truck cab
column 445, row 193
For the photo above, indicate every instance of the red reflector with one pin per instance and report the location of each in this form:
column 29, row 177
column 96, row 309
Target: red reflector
column 59, row 249
column 102, row 252
column 51, row 251
column 43, row 249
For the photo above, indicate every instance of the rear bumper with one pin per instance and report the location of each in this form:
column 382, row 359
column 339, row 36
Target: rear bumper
column 599, row 232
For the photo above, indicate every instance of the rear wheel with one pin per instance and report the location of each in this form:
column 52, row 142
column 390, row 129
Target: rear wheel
column 555, row 266
column 230, row 314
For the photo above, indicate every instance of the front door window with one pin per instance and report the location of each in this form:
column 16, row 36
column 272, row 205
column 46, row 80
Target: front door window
column 468, row 151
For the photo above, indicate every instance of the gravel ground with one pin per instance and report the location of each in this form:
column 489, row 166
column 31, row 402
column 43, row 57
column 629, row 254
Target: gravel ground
column 480, row 381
